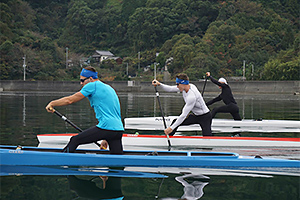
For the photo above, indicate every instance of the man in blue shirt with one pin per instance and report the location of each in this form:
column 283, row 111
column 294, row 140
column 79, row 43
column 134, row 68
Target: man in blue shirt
column 105, row 102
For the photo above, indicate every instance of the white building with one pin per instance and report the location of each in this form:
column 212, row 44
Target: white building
column 102, row 55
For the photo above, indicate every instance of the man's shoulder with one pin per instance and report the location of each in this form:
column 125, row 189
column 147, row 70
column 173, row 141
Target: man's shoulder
column 194, row 87
column 194, row 92
column 97, row 83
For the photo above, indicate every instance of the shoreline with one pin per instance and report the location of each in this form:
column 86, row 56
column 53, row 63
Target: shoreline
column 238, row 87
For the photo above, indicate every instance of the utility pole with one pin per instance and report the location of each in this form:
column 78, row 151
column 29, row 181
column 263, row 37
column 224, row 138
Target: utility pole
column 252, row 74
column 67, row 57
column 155, row 71
column 24, row 68
column 139, row 57
column 244, row 69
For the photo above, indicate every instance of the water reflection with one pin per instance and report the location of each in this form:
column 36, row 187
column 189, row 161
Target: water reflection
column 193, row 185
column 24, row 109
column 23, row 117
column 102, row 187
column 141, row 105
column 193, row 189
column 130, row 100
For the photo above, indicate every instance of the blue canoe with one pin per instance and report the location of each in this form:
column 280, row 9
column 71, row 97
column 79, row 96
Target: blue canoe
column 34, row 156
column 17, row 170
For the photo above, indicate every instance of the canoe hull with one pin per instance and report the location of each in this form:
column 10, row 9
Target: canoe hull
column 37, row 158
column 192, row 141
column 218, row 125
column 18, row 170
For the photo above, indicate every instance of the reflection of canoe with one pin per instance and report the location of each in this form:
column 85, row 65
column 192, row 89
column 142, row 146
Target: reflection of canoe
column 218, row 125
column 193, row 141
column 51, row 157
column 11, row 170
column 255, row 172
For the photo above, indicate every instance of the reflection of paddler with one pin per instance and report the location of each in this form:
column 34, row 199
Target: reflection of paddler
column 193, row 190
column 111, row 188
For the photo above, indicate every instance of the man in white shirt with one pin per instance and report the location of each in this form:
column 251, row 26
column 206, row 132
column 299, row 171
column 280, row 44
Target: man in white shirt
column 193, row 102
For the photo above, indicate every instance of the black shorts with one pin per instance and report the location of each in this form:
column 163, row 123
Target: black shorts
column 94, row 134
column 204, row 121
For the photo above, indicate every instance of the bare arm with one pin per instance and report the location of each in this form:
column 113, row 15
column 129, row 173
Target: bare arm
column 64, row 101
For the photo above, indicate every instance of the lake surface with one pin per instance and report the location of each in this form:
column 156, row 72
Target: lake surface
column 23, row 116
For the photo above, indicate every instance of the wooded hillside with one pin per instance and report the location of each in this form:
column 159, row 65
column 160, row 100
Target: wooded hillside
column 215, row 36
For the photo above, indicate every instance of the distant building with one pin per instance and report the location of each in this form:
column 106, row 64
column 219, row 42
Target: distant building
column 102, row 55
column 117, row 59
column 99, row 56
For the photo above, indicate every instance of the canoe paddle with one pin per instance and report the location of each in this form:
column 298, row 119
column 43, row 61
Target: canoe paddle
column 162, row 114
column 71, row 123
column 204, row 85
column 67, row 120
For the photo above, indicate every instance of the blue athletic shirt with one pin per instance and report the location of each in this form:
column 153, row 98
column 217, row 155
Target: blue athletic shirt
column 105, row 102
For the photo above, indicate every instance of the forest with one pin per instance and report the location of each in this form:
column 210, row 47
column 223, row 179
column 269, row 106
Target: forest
column 255, row 39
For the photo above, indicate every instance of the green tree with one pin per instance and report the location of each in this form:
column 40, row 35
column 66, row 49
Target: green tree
column 200, row 35
column 150, row 27
column 285, row 67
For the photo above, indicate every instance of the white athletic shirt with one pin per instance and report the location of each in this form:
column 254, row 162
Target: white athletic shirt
column 193, row 102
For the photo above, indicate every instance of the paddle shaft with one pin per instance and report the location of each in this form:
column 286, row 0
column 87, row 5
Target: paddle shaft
column 71, row 123
column 204, row 85
column 162, row 114
column 67, row 120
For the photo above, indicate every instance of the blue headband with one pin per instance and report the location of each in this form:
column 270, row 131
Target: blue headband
column 88, row 73
column 181, row 81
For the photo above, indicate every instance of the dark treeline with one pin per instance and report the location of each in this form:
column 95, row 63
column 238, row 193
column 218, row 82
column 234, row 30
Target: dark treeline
column 215, row 36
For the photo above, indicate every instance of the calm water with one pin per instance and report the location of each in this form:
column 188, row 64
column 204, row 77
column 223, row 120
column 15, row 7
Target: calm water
column 23, row 117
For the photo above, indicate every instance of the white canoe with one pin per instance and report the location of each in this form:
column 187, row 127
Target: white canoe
column 190, row 141
column 218, row 125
